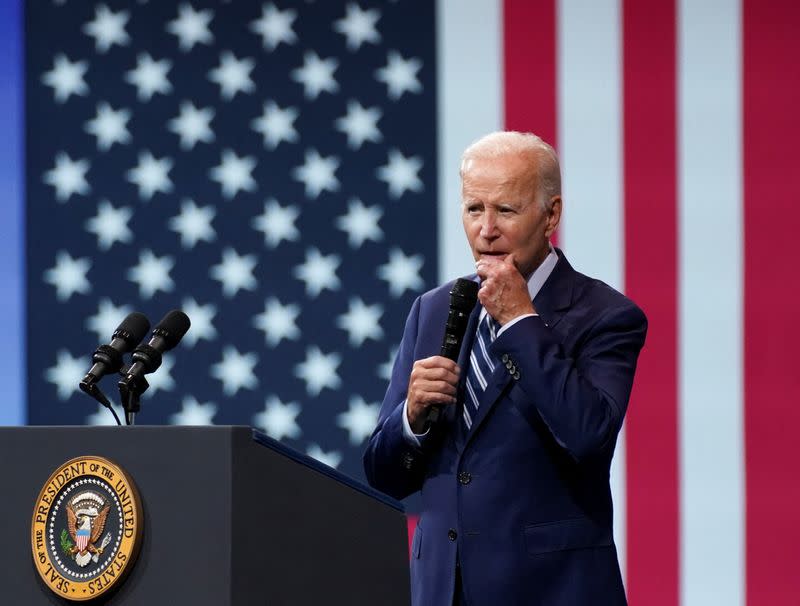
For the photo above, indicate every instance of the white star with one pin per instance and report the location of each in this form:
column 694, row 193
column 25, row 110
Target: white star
column 277, row 223
column 109, row 126
column 400, row 75
column 233, row 173
column 318, row 272
column 66, row 78
column 162, row 378
column 278, row 321
column 68, row 177
column 361, row 322
column 319, row 370
column 66, row 374
column 317, row 173
column 107, row 318
column 149, row 77
column 316, row 75
column 360, row 124
column 151, row 175
column 152, row 274
column 235, row 272
column 276, row 125
column 193, row 412
column 192, row 125
column 201, row 316
column 233, row 75
column 358, row 26
column 194, row 223
column 402, row 272
column 361, row 223
column 275, row 26
column 107, row 28
column 385, row 369
column 331, row 459
column 69, row 275
column 235, row 370
column 103, row 417
column 360, row 419
column 400, row 173
column 191, row 27
column 110, row 225
column 278, row 420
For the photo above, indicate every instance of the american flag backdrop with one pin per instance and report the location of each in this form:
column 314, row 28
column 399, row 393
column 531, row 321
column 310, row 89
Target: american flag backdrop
column 286, row 172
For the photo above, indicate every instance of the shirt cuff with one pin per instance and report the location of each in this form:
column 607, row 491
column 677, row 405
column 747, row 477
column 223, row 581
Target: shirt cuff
column 408, row 434
column 514, row 321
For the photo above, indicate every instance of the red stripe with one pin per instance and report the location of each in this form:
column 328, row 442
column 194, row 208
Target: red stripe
column 649, row 34
column 529, row 68
column 411, row 519
column 771, row 97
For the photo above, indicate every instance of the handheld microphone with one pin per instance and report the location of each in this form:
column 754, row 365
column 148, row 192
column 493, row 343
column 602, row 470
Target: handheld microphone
column 462, row 300
column 108, row 358
column 147, row 357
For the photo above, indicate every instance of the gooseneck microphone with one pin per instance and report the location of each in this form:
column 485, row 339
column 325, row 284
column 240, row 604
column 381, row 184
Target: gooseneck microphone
column 462, row 301
column 166, row 335
column 108, row 358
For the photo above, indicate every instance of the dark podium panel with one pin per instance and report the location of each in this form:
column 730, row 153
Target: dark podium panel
column 232, row 518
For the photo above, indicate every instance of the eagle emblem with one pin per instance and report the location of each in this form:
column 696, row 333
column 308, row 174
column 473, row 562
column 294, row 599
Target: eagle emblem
column 86, row 520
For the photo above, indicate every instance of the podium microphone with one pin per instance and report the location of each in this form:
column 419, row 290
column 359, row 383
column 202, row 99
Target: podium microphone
column 462, row 300
column 166, row 335
column 108, row 358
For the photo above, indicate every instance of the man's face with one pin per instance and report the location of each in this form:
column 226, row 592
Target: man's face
column 501, row 213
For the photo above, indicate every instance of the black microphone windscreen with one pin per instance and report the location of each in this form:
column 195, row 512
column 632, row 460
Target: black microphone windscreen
column 132, row 329
column 172, row 327
column 464, row 294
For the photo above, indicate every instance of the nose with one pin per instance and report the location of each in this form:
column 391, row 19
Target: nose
column 489, row 226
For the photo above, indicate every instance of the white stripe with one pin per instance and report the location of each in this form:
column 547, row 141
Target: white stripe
column 590, row 147
column 711, row 252
column 472, row 395
column 470, row 102
column 474, row 366
column 483, row 350
column 467, row 418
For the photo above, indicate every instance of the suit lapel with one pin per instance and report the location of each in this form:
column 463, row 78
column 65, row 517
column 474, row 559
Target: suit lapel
column 551, row 303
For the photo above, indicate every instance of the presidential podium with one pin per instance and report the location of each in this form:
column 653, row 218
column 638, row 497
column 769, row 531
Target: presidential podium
column 230, row 518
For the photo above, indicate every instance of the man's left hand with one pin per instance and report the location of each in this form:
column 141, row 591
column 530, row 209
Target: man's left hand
column 503, row 292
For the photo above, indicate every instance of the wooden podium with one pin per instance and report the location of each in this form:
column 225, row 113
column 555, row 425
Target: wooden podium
column 230, row 518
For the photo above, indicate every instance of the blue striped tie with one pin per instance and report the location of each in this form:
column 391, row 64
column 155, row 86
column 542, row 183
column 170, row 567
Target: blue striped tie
column 481, row 367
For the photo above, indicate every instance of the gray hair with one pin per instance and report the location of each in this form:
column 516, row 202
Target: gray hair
column 543, row 158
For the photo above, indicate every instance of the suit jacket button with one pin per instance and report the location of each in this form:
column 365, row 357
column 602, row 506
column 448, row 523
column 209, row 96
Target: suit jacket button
column 516, row 375
column 464, row 478
column 504, row 358
column 509, row 364
column 408, row 460
column 452, row 534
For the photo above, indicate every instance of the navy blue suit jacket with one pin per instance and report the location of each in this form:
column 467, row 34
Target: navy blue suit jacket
column 521, row 501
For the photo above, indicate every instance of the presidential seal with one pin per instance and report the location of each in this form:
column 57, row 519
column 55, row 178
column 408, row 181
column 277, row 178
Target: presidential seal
column 86, row 529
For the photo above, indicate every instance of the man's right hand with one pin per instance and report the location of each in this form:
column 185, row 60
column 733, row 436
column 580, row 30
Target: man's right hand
column 433, row 382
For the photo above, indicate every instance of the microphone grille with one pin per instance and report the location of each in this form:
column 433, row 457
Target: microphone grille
column 172, row 327
column 464, row 294
column 132, row 329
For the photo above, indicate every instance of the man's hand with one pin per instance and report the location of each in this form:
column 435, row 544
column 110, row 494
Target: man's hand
column 504, row 292
column 433, row 381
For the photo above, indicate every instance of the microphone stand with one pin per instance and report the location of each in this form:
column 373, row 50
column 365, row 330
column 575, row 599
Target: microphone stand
column 130, row 393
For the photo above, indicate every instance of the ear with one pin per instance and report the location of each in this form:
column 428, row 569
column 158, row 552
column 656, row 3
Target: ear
column 553, row 216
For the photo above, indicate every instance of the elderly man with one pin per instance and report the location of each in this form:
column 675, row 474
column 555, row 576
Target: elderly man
column 516, row 504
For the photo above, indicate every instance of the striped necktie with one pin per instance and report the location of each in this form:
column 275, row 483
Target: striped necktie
column 481, row 367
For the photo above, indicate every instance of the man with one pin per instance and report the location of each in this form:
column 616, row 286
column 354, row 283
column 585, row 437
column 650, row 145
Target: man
column 516, row 504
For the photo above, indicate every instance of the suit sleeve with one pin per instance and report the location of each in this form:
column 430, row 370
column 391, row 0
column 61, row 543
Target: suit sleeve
column 392, row 464
column 581, row 395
